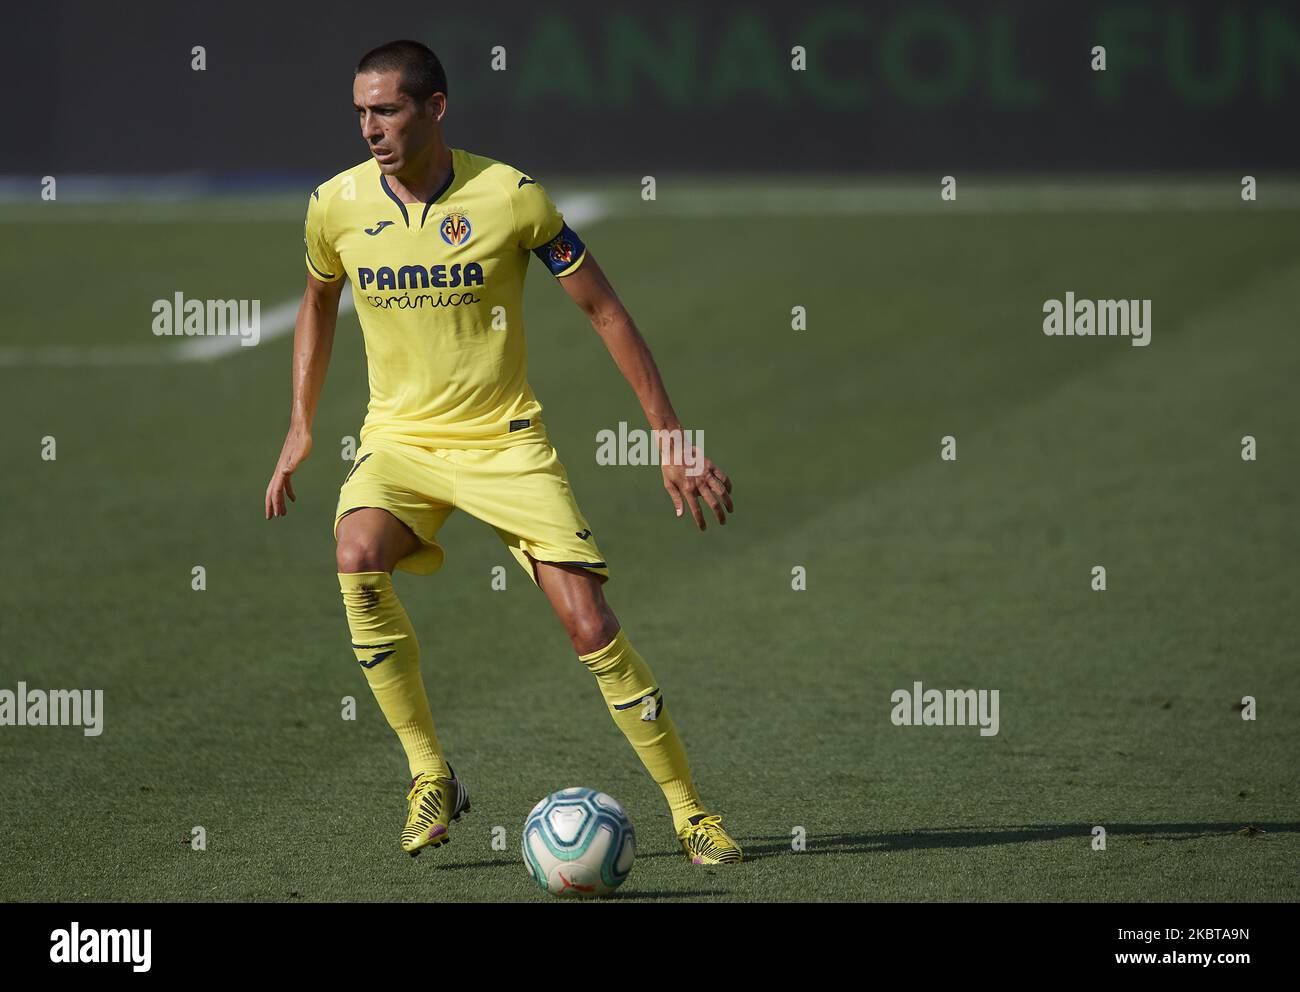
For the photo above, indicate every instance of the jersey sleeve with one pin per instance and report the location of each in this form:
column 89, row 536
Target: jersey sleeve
column 541, row 229
column 323, row 261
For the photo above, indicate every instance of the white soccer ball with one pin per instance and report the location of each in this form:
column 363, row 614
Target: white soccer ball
column 579, row 843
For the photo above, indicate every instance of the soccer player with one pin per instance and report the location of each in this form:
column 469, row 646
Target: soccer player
column 436, row 244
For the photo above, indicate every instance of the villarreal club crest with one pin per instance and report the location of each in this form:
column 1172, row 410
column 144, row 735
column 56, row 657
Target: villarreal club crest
column 455, row 229
column 562, row 251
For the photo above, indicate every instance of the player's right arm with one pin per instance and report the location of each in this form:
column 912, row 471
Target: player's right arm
column 313, row 340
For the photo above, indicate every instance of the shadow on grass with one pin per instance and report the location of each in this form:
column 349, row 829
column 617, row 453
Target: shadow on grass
column 870, row 843
column 758, row 848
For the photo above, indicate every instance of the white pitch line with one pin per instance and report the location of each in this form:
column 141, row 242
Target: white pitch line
column 581, row 211
column 275, row 323
column 871, row 198
column 874, row 199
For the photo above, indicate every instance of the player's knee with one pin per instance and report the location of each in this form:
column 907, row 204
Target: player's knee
column 592, row 630
column 359, row 556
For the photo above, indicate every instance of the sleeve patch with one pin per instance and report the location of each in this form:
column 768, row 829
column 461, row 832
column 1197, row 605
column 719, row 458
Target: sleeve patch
column 562, row 252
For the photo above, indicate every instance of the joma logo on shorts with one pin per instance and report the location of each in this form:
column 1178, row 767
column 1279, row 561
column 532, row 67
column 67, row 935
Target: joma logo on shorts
column 421, row 277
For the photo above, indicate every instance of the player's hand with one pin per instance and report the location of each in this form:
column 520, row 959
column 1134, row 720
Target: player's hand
column 708, row 483
column 297, row 446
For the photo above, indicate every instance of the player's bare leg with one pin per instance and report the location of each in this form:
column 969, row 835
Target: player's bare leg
column 370, row 544
column 579, row 602
column 373, row 540
column 636, row 703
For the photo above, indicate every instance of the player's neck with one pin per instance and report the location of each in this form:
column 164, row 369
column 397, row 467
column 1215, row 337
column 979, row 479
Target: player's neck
column 424, row 178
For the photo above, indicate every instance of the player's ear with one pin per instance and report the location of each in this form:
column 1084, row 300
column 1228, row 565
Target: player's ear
column 437, row 106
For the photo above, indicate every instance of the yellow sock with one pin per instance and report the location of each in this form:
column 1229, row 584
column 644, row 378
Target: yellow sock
column 385, row 645
column 637, row 706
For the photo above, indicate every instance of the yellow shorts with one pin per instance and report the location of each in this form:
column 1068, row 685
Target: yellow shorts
column 521, row 491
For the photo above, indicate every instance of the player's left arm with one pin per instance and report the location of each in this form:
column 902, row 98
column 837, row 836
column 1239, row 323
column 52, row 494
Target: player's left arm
column 688, row 475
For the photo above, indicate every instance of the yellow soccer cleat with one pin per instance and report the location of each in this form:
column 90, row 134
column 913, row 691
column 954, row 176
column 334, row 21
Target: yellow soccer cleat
column 432, row 804
column 706, row 843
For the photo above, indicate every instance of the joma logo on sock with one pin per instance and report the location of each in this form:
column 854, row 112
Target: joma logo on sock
column 1099, row 318
column 946, row 708
column 651, row 703
column 77, row 946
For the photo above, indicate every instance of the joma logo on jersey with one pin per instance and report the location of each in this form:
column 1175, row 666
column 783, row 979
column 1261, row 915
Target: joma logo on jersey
column 421, row 277
column 454, row 229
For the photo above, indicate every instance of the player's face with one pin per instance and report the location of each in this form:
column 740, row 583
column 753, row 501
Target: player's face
column 398, row 130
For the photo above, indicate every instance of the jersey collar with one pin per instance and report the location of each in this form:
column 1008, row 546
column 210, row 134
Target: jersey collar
column 438, row 194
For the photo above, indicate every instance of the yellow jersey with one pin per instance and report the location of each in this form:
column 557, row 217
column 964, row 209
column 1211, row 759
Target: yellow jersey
column 438, row 288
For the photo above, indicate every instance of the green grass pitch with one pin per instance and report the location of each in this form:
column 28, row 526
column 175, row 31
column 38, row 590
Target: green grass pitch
column 1118, row 708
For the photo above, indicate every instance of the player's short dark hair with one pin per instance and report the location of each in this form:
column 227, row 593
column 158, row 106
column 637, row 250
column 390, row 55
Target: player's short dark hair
column 422, row 73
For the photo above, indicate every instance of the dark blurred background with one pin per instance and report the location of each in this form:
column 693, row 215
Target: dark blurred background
column 982, row 84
